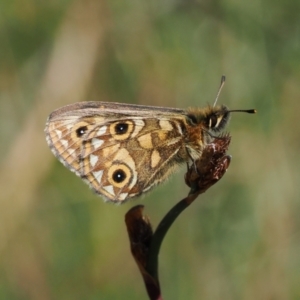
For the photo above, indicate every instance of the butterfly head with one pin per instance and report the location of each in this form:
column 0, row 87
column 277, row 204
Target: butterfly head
column 217, row 118
column 212, row 118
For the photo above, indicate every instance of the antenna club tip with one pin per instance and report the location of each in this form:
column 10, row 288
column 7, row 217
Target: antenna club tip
column 249, row 111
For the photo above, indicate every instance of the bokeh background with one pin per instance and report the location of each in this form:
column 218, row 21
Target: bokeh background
column 241, row 239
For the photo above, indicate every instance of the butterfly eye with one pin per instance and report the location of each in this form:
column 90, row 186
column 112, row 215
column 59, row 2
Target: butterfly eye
column 119, row 176
column 121, row 128
column 81, row 131
column 213, row 120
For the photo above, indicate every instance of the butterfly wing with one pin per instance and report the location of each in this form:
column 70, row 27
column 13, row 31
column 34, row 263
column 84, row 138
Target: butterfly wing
column 121, row 154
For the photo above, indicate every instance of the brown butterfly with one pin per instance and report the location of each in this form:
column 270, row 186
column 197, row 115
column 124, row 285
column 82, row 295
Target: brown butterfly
column 124, row 150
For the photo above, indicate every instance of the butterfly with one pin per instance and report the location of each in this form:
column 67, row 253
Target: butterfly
column 124, row 150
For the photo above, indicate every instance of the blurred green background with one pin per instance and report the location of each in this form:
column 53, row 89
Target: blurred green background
column 241, row 239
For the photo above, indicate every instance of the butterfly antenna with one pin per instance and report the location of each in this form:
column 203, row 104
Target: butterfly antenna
column 220, row 89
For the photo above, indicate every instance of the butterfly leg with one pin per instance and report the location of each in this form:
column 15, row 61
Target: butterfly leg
column 193, row 163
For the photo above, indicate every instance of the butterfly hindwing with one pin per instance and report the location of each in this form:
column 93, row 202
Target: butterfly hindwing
column 119, row 156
